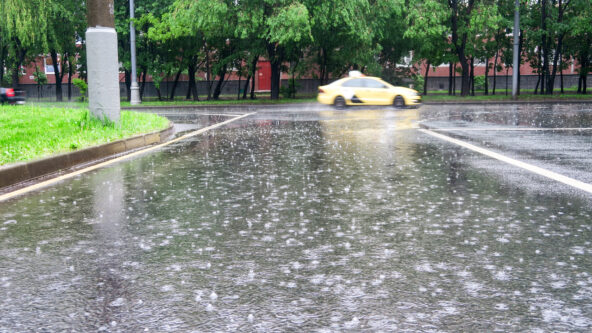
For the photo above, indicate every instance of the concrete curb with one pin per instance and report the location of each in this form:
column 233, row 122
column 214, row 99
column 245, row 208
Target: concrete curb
column 20, row 172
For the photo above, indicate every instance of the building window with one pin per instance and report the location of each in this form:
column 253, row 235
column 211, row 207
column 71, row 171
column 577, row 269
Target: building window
column 49, row 66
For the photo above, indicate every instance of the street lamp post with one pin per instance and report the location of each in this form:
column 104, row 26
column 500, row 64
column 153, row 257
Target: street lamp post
column 134, row 89
column 516, row 65
column 101, row 60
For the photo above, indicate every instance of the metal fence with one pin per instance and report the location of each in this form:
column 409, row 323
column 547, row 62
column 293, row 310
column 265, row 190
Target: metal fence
column 304, row 87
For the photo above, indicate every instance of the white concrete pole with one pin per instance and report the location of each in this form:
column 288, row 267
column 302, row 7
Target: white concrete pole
column 134, row 89
column 101, row 60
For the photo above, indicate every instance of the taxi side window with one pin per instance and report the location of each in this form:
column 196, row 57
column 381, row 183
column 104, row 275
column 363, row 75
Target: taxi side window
column 355, row 83
column 374, row 84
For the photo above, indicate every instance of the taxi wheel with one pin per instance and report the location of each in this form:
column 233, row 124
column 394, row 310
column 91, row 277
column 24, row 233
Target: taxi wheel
column 399, row 102
column 339, row 102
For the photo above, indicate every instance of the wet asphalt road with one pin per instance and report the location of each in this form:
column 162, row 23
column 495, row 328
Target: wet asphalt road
column 315, row 220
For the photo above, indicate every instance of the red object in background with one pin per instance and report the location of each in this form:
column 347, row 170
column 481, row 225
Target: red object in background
column 9, row 92
column 264, row 74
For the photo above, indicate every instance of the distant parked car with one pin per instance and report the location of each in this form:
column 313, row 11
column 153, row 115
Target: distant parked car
column 11, row 96
column 358, row 89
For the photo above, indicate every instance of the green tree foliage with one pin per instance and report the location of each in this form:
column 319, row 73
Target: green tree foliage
column 66, row 23
column 341, row 37
column 429, row 34
column 283, row 28
column 578, row 43
column 148, row 54
column 461, row 23
column 23, row 25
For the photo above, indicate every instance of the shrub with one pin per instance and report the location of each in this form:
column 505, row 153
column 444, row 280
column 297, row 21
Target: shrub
column 82, row 86
column 418, row 82
column 480, row 82
column 290, row 90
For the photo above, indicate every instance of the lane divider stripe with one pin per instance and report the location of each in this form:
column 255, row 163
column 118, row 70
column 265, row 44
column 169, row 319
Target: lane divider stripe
column 52, row 181
column 529, row 167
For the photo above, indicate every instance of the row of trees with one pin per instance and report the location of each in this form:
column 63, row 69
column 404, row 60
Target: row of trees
column 554, row 34
column 323, row 37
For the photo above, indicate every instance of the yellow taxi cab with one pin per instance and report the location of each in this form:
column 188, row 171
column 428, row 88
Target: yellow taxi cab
column 358, row 89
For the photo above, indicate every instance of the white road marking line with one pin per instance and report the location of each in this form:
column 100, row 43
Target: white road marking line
column 534, row 169
column 52, row 181
column 497, row 129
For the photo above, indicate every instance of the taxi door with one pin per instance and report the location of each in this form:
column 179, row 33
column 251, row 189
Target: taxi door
column 376, row 92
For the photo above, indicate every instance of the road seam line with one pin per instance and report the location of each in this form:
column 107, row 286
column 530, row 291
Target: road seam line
column 529, row 167
column 52, row 181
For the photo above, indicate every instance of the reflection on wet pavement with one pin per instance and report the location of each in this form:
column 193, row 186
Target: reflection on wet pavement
column 328, row 221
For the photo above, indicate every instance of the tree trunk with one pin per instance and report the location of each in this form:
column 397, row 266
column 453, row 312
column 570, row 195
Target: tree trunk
column 465, row 80
column 253, row 72
column 143, row 84
column 551, row 83
column 561, row 77
column 507, row 81
column 460, row 45
column 495, row 72
column 450, row 79
column 584, row 69
column 238, row 89
column 425, row 79
column 246, row 86
column 208, row 75
column 70, row 74
column 172, row 95
column 486, row 87
column 192, row 88
column 58, row 77
column 545, row 48
column 251, row 76
column 221, row 78
column 322, row 66
column 2, row 62
column 253, row 86
column 276, row 57
column 454, row 79
column 189, row 87
column 128, row 80
column 293, row 86
column 558, row 50
column 540, row 78
column 520, row 45
column 472, row 76
column 17, row 66
column 275, row 79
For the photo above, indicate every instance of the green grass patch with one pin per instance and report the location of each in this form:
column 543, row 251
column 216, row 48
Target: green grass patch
column 32, row 132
